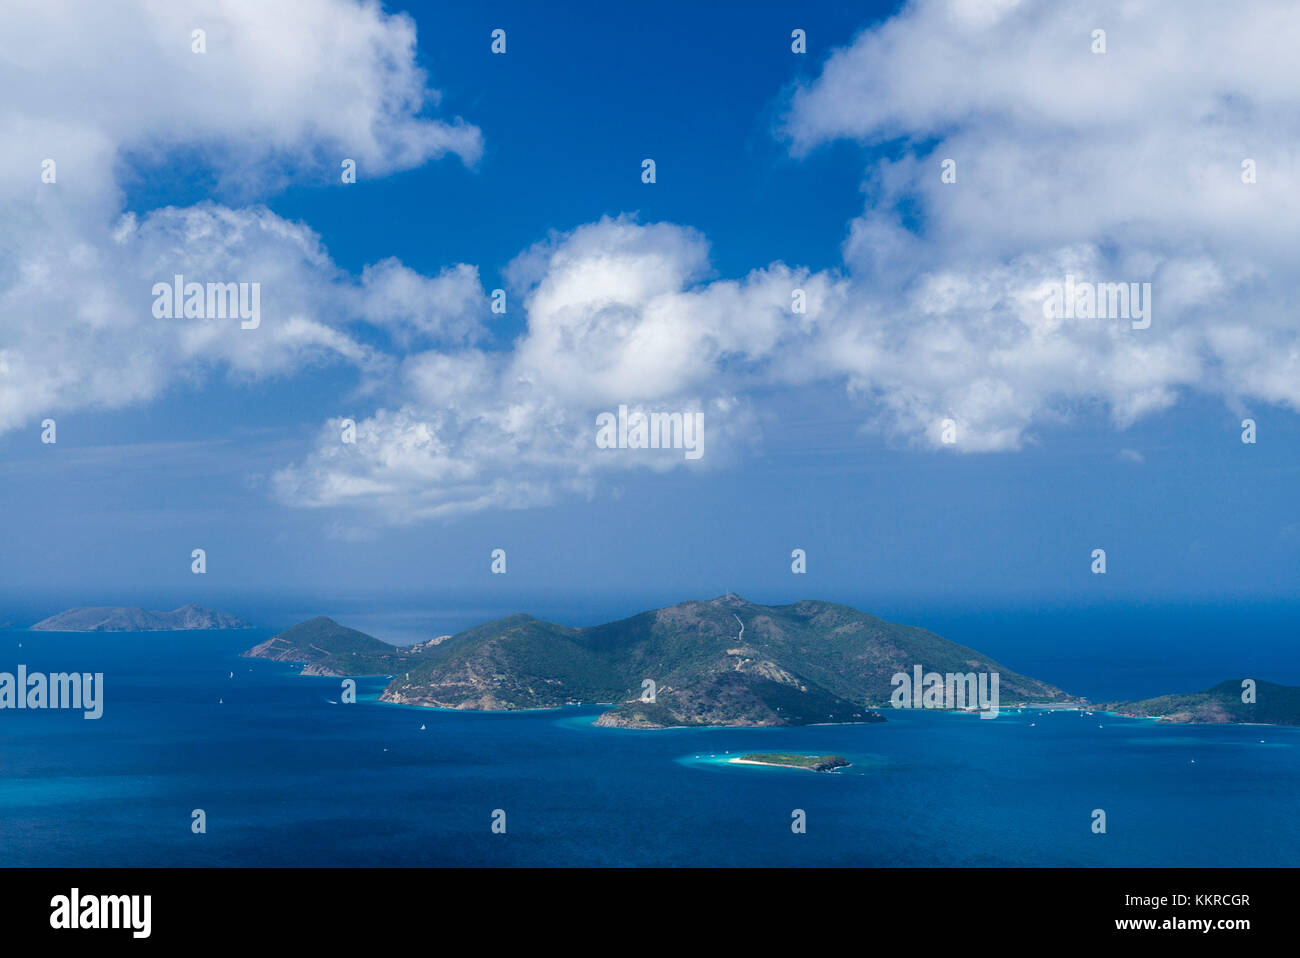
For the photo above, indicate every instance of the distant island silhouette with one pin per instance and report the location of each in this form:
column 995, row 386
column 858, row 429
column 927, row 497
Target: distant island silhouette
column 111, row 618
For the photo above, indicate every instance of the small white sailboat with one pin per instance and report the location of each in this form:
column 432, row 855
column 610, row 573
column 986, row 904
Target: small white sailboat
column 421, row 726
column 221, row 701
column 232, row 675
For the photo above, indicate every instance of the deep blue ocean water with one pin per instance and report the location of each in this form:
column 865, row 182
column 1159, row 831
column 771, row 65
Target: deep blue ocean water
column 288, row 778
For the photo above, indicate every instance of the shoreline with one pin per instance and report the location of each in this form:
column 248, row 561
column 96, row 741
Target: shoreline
column 883, row 710
column 800, row 768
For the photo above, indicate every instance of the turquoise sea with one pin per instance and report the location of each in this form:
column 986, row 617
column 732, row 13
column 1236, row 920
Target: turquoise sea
column 287, row 776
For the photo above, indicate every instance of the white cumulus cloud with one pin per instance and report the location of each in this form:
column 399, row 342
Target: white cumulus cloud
column 282, row 93
column 1070, row 165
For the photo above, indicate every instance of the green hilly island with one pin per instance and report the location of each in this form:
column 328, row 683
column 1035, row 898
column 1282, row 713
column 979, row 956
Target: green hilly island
column 327, row 648
column 1273, row 705
column 725, row 661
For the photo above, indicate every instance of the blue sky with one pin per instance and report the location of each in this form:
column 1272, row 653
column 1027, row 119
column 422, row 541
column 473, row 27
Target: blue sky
column 774, row 170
